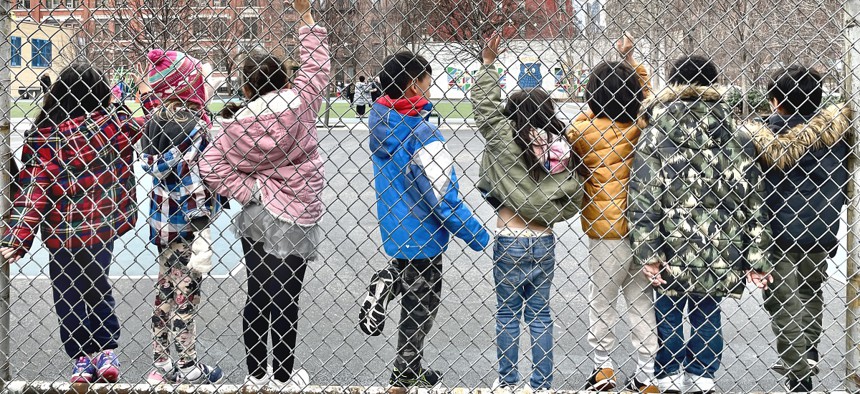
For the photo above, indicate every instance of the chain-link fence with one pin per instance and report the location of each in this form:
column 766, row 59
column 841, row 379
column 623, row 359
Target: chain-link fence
column 297, row 149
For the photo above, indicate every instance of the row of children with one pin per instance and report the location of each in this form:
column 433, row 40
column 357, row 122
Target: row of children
column 698, row 225
column 77, row 187
column 674, row 199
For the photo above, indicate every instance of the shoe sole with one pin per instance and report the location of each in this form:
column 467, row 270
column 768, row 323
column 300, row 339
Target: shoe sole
column 603, row 385
column 782, row 370
column 81, row 380
column 372, row 315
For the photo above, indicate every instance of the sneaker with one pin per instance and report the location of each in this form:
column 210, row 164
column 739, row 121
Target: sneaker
column 199, row 374
column 799, row 386
column 602, row 379
column 162, row 372
column 255, row 385
column 700, row 384
column 672, row 384
column 371, row 317
column 107, row 366
column 636, row 386
column 782, row 369
column 426, row 377
column 299, row 381
column 501, row 388
column 83, row 370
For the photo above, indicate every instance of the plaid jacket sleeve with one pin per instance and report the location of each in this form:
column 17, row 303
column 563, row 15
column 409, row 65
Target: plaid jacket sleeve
column 30, row 203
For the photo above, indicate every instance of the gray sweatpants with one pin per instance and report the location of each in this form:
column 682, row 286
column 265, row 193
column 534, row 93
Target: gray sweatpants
column 613, row 276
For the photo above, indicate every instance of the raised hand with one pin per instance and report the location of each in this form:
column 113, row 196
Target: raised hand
column 140, row 80
column 303, row 7
column 625, row 46
column 491, row 51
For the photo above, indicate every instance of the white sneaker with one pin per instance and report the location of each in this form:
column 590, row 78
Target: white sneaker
column 497, row 388
column 673, row 384
column 700, row 384
column 256, row 385
column 298, row 382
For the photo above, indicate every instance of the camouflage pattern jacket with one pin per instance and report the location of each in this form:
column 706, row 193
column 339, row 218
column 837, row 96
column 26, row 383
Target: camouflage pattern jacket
column 695, row 196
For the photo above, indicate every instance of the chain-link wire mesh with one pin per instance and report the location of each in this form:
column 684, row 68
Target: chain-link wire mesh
column 337, row 198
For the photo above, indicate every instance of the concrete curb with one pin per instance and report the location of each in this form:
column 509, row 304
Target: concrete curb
column 37, row 387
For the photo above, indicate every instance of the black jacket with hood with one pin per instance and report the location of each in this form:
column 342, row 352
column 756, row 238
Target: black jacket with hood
column 804, row 159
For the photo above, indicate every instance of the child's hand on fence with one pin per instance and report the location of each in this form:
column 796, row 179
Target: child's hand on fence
column 303, row 7
column 652, row 272
column 10, row 254
column 625, row 46
column 760, row 280
column 491, row 51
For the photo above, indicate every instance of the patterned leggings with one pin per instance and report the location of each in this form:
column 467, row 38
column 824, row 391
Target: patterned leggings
column 176, row 300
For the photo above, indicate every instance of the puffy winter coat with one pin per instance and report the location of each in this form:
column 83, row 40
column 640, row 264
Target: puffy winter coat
column 695, row 196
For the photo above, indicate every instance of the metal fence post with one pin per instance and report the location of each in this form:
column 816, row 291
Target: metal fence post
column 5, row 178
column 852, row 91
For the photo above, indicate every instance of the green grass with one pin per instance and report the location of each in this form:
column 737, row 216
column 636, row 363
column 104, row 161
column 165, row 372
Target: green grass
column 445, row 109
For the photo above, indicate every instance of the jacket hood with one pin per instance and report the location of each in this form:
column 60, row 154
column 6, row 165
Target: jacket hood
column 164, row 131
column 685, row 92
column 389, row 129
column 783, row 150
column 690, row 107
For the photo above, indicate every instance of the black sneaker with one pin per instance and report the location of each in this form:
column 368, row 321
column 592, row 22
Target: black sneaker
column 799, row 386
column 636, row 386
column 425, row 377
column 602, row 379
column 371, row 317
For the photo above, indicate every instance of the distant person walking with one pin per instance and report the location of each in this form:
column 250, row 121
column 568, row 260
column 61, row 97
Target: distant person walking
column 363, row 96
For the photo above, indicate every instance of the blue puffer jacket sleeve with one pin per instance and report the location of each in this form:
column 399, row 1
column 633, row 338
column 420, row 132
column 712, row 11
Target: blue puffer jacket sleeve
column 439, row 188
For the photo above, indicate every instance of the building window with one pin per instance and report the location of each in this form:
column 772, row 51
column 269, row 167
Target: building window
column 16, row 51
column 251, row 28
column 41, row 53
column 252, row 3
column 25, row 4
column 219, row 3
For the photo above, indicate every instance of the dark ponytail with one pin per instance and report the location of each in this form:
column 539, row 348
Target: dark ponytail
column 530, row 109
column 261, row 73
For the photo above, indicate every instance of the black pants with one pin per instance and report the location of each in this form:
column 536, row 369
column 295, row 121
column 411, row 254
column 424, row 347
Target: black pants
column 421, row 287
column 84, row 299
column 272, row 308
column 360, row 109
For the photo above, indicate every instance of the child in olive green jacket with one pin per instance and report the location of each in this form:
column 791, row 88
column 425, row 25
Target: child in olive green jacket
column 527, row 175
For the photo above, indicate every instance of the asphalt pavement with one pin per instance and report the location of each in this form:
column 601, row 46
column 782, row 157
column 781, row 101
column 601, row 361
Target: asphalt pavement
column 330, row 346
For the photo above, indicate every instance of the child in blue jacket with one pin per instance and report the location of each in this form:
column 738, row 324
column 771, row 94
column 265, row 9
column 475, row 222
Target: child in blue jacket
column 419, row 207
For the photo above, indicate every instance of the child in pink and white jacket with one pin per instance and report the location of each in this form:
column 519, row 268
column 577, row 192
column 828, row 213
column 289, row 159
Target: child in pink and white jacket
column 267, row 159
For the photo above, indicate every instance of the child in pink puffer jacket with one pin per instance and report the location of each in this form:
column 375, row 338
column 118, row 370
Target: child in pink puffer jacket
column 267, row 159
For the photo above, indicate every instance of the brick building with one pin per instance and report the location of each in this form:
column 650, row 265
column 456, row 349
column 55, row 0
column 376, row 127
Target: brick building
column 115, row 34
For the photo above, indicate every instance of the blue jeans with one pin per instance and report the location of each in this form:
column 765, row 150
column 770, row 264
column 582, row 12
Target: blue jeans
column 700, row 355
column 84, row 299
column 523, row 274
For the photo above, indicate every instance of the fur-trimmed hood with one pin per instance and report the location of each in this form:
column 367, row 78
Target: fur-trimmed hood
column 685, row 92
column 782, row 150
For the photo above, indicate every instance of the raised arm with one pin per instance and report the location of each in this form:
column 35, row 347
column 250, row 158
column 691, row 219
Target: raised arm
column 487, row 96
column 313, row 76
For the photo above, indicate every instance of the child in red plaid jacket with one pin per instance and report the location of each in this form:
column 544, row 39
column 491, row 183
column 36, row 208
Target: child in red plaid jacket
column 77, row 187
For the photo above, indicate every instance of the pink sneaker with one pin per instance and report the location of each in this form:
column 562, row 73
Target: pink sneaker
column 83, row 370
column 107, row 366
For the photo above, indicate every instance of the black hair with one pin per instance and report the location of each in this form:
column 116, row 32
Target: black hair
column 797, row 89
column 613, row 91
column 399, row 70
column 693, row 70
column 80, row 90
column 263, row 73
column 531, row 109
column 361, row 78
